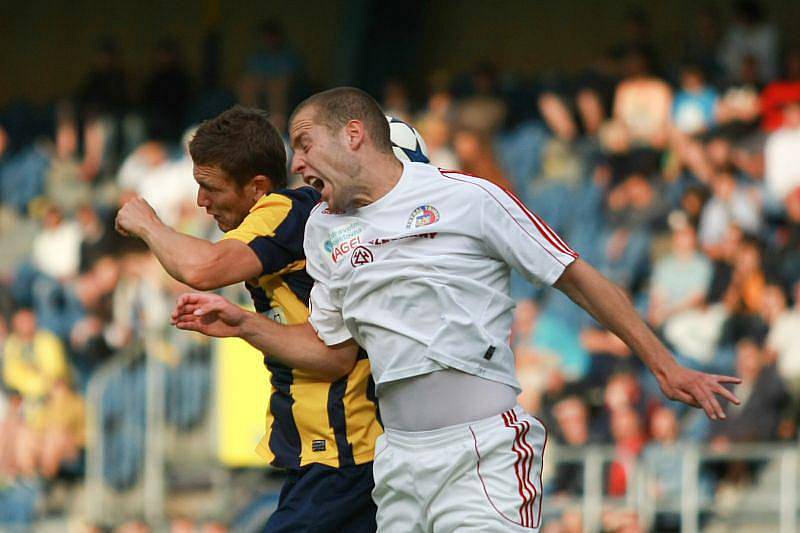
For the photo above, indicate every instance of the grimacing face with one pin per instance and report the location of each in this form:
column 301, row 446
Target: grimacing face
column 221, row 196
column 323, row 159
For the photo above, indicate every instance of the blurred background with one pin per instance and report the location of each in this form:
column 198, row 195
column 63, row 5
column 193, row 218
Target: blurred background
column 660, row 139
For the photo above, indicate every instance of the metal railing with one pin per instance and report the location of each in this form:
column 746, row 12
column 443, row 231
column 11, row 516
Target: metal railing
column 142, row 491
column 779, row 509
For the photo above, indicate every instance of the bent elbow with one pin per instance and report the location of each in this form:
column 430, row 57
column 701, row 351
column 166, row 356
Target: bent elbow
column 199, row 280
column 339, row 370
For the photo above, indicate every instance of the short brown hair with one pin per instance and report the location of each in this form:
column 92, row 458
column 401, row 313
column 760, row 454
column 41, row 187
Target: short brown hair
column 335, row 107
column 242, row 142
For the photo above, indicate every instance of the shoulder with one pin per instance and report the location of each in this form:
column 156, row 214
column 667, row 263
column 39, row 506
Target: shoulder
column 302, row 196
column 465, row 186
column 287, row 209
column 299, row 202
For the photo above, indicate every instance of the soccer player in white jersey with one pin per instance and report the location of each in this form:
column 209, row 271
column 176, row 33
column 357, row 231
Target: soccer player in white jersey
column 412, row 263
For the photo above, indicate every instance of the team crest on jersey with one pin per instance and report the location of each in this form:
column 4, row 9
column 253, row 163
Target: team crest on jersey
column 424, row 215
column 361, row 256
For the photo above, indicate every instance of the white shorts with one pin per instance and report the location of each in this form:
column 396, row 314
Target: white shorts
column 481, row 476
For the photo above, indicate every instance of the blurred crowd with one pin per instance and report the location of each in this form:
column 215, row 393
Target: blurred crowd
column 679, row 180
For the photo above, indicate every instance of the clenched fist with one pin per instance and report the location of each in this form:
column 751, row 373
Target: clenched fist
column 134, row 217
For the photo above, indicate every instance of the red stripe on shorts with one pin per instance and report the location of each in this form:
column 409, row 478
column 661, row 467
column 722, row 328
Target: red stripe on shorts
column 529, row 466
column 520, row 468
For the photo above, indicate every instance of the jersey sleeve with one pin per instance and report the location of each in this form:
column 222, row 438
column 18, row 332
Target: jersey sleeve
column 516, row 235
column 274, row 229
column 325, row 310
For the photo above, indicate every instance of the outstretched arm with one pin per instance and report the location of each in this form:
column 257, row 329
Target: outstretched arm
column 201, row 264
column 610, row 306
column 297, row 346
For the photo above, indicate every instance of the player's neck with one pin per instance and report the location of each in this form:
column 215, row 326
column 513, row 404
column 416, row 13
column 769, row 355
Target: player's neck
column 379, row 176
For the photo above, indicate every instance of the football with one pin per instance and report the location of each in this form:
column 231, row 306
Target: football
column 407, row 143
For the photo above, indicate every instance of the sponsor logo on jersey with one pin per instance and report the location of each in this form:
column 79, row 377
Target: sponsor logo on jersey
column 361, row 256
column 387, row 240
column 342, row 240
column 424, row 215
column 318, row 445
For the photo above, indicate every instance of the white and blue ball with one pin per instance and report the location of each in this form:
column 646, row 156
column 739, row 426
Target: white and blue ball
column 407, row 143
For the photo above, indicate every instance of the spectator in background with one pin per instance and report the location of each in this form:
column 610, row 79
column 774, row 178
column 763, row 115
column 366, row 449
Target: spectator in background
column 103, row 101
column 167, row 93
column 680, row 279
column 98, row 238
column 67, row 185
column 750, row 35
column 693, row 200
column 591, row 110
column 33, row 359
column 561, row 161
column 763, row 396
column 642, row 103
column 18, row 445
column 435, row 129
column 634, row 209
column 77, row 311
column 730, row 204
column 572, row 417
column 270, row 73
column 22, row 172
column 745, row 291
column 663, row 458
column 474, row 151
column 785, row 261
column 740, row 102
column 782, row 156
column 629, row 440
column 783, row 340
column 781, row 92
column 60, row 427
column 695, row 105
column 140, row 164
column 56, row 249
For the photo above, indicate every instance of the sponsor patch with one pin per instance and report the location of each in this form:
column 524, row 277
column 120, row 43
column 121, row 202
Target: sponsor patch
column 387, row 240
column 342, row 240
column 360, row 256
column 318, row 445
column 424, row 215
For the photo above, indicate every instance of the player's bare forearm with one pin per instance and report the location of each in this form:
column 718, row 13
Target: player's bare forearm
column 610, row 306
column 196, row 262
column 201, row 264
column 298, row 346
column 188, row 259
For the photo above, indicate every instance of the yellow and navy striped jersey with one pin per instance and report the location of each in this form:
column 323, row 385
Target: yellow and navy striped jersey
column 308, row 420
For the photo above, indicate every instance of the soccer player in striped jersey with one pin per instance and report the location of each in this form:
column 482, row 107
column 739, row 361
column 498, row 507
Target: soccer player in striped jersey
column 423, row 287
column 320, row 427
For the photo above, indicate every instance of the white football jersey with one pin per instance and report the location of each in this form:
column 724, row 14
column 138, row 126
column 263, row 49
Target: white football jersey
column 420, row 277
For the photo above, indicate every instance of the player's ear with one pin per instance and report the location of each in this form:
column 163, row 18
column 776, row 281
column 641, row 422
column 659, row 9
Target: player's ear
column 260, row 185
column 354, row 134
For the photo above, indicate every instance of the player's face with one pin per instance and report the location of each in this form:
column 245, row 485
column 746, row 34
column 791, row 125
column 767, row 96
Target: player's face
column 221, row 197
column 323, row 159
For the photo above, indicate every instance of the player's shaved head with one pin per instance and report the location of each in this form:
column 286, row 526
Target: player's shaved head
column 334, row 108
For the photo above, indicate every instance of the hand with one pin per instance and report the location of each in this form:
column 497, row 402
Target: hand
column 133, row 217
column 698, row 389
column 209, row 314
